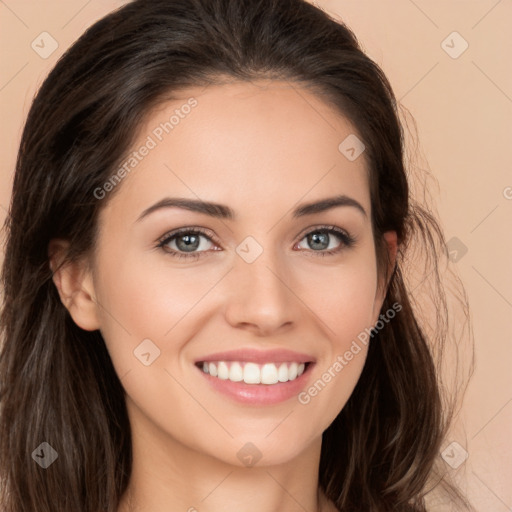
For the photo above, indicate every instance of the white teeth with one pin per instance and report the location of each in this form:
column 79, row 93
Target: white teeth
column 282, row 373
column 292, row 372
column 269, row 374
column 252, row 373
column 236, row 372
column 222, row 371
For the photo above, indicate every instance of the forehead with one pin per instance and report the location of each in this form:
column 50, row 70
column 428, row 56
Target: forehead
column 242, row 144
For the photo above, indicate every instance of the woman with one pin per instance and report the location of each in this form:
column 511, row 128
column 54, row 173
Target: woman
column 205, row 304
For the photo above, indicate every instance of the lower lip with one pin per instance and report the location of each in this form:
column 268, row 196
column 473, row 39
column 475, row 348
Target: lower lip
column 259, row 394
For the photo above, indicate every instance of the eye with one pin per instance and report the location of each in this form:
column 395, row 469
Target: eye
column 186, row 243
column 321, row 240
column 192, row 242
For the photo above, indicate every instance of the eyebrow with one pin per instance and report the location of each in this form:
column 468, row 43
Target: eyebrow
column 225, row 212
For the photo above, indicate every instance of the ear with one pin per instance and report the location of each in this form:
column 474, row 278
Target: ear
column 75, row 286
column 390, row 237
column 391, row 241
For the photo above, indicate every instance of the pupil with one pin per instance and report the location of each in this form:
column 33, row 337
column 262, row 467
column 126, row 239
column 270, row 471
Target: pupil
column 319, row 238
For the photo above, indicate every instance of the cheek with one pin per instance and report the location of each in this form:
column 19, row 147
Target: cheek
column 344, row 301
column 342, row 296
column 141, row 301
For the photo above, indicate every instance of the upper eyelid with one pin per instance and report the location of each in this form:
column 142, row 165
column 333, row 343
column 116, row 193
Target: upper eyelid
column 174, row 233
column 322, row 227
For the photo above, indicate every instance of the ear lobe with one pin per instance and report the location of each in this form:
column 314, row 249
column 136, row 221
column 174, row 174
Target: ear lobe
column 75, row 286
column 391, row 240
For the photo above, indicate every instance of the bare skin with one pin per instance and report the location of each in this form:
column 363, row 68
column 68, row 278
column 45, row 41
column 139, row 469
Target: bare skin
column 262, row 149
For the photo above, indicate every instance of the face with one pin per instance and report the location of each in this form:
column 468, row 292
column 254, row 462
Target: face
column 260, row 288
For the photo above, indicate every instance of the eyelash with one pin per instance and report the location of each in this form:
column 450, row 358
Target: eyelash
column 347, row 241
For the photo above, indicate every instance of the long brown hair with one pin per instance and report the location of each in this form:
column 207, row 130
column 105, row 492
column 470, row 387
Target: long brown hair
column 57, row 382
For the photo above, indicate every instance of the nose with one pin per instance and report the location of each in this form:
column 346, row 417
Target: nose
column 261, row 295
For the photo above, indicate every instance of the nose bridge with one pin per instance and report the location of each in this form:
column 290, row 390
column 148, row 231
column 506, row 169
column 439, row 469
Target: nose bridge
column 260, row 295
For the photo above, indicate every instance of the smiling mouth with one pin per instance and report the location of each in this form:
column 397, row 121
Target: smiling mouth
column 253, row 373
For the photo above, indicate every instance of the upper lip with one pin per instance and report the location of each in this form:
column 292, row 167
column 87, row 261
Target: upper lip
column 258, row 356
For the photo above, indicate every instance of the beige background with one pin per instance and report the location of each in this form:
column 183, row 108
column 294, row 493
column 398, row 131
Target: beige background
column 463, row 109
